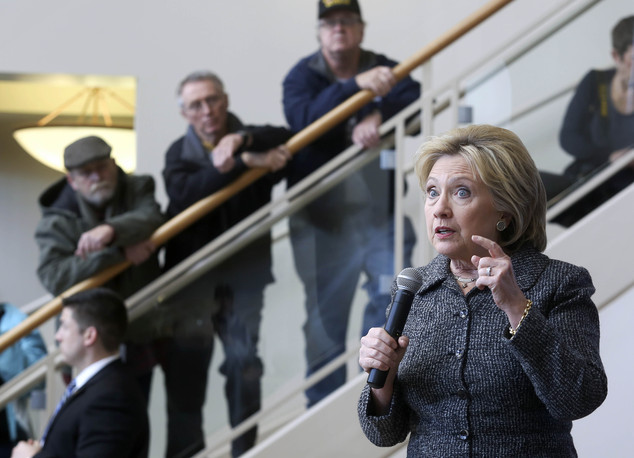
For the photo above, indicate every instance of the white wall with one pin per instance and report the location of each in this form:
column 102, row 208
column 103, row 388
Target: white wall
column 607, row 431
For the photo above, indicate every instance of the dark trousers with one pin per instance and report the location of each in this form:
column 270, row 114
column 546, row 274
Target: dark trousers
column 185, row 358
column 329, row 259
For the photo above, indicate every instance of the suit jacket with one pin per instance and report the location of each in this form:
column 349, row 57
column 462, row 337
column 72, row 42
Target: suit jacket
column 466, row 387
column 106, row 418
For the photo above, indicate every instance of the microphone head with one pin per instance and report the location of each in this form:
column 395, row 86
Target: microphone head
column 409, row 279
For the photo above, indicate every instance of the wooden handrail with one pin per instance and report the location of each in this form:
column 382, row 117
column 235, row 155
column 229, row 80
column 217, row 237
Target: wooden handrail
column 294, row 144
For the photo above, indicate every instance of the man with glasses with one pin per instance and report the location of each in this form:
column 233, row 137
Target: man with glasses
column 216, row 149
column 349, row 229
column 96, row 217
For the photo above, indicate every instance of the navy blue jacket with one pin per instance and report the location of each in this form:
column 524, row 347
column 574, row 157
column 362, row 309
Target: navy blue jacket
column 311, row 90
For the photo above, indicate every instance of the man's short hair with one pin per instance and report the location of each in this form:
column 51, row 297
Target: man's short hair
column 199, row 75
column 623, row 35
column 102, row 309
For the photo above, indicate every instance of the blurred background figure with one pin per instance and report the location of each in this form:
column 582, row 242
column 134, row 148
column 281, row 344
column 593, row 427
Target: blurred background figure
column 349, row 230
column 227, row 300
column 598, row 127
column 96, row 217
column 15, row 424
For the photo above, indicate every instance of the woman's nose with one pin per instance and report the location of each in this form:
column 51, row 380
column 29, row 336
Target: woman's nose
column 442, row 207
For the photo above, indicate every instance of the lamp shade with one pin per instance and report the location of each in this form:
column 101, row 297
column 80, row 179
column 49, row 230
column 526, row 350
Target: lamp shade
column 47, row 143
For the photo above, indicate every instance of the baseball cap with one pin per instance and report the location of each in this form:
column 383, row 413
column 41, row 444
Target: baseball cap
column 326, row 6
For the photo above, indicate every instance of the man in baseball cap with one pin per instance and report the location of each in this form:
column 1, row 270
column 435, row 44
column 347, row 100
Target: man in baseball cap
column 352, row 222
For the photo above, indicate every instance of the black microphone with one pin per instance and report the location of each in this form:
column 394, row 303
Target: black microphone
column 408, row 282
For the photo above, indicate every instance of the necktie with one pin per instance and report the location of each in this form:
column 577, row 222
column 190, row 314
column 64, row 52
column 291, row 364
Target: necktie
column 67, row 393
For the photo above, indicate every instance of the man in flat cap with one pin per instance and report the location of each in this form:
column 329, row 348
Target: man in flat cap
column 94, row 218
column 349, row 229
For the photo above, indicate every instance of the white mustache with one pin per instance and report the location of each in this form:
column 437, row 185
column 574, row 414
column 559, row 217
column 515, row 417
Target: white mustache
column 99, row 186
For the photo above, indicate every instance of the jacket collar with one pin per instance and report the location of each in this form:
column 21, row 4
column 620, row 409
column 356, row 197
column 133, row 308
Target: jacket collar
column 193, row 149
column 528, row 266
column 61, row 196
column 317, row 63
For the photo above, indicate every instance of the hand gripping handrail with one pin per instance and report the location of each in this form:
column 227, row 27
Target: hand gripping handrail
column 294, row 144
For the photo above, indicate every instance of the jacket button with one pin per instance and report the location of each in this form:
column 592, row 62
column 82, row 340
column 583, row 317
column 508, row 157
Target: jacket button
column 459, row 353
column 464, row 313
column 462, row 394
column 464, row 435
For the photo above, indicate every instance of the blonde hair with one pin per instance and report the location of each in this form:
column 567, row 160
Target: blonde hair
column 499, row 158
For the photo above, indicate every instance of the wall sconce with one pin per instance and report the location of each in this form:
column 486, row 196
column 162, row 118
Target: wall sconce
column 46, row 143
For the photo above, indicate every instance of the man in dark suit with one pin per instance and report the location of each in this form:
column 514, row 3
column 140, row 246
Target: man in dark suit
column 102, row 413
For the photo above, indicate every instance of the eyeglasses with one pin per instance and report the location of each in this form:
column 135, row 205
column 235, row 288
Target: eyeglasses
column 197, row 105
column 86, row 171
column 342, row 21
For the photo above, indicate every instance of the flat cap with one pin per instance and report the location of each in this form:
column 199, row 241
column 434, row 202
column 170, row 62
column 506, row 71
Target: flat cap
column 85, row 150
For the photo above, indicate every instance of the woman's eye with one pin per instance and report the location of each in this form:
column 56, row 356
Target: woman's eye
column 432, row 193
column 463, row 192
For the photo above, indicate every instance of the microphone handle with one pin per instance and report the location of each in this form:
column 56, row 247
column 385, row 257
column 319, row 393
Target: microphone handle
column 394, row 327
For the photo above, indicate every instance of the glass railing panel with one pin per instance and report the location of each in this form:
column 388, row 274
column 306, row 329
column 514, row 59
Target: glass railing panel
column 26, row 417
column 282, row 343
column 27, row 399
column 413, row 203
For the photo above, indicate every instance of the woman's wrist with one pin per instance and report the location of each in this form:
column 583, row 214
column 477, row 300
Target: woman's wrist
column 527, row 308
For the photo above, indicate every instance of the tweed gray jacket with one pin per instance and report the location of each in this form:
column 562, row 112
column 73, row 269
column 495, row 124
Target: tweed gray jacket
column 466, row 387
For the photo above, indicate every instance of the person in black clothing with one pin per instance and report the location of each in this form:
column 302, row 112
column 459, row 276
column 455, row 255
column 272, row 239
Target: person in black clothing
column 216, row 149
column 598, row 127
